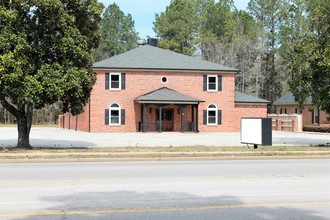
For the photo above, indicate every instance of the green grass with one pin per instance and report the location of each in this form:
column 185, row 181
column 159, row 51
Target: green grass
column 197, row 152
column 172, row 149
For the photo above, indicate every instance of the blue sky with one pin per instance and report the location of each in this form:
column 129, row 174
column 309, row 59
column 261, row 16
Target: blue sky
column 143, row 12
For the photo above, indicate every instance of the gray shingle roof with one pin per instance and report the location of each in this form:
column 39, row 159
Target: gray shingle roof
column 289, row 99
column 167, row 95
column 245, row 98
column 149, row 57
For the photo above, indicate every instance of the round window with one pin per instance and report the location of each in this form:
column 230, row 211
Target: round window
column 164, row 79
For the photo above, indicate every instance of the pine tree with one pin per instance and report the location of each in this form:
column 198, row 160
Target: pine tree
column 177, row 26
column 117, row 33
column 268, row 14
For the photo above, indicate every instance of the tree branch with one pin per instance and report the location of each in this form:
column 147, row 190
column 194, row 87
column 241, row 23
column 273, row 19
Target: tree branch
column 9, row 107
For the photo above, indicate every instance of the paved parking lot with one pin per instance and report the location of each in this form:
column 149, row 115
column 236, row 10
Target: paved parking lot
column 56, row 137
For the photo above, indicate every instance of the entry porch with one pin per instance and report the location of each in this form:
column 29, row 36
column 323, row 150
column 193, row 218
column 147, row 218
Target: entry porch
column 165, row 110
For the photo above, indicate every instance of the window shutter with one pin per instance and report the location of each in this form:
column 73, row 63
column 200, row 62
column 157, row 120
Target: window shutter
column 204, row 82
column 123, row 81
column 219, row 82
column 204, row 117
column 106, row 116
column 107, row 78
column 122, row 119
column 219, row 117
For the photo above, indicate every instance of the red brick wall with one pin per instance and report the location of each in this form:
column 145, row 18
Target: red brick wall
column 188, row 83
column 324, row 118
column 140, row 83
column 248, row 110
column 83, row 119
column 79, row 122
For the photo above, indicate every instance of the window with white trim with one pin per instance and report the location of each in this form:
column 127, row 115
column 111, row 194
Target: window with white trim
column 115, row 114
column 212, row 83
column 115, row 79
column 212, row 114
column 283, row 111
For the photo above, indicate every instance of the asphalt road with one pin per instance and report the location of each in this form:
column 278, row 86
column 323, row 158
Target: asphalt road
column 260, row 189
column 56, row 137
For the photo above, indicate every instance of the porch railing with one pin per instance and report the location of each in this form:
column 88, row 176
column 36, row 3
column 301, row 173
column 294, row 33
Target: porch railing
column 189, row 127
column 154, row 127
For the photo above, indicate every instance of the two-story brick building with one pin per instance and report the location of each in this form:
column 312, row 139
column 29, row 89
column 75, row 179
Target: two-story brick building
column 152, row 89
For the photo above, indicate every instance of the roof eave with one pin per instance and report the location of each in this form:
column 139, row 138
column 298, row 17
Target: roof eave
column 166, row 69
column 292, row 103
column 168, row 102
column 265, row 103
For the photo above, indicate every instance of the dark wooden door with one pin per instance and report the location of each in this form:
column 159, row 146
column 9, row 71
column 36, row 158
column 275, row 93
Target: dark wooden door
column 168, row 120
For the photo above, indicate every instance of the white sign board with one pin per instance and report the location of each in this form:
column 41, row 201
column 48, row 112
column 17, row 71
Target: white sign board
column 251, row 131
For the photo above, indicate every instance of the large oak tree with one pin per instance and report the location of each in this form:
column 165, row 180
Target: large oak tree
column 45, row 56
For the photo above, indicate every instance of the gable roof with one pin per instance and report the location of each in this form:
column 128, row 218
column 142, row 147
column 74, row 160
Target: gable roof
column 289, row 99
column 166, row 95
column 245, row 98
column 154, row 58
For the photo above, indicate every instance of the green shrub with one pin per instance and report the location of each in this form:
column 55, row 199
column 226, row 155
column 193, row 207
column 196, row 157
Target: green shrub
column 314, row 128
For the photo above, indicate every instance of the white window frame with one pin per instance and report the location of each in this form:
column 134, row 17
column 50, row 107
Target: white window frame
column 111, row 108
column 209, row 108
column 216, row 83
column 115, row 74
column 316, row 116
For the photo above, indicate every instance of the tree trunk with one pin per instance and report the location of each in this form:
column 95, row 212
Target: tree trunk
column 24, row 122
column 23, row 113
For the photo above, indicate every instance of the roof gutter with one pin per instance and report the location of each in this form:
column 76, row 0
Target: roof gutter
column 168, row 102
column 166, row 69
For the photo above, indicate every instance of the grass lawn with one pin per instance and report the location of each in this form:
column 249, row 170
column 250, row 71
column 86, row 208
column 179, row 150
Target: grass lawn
column 160, row 153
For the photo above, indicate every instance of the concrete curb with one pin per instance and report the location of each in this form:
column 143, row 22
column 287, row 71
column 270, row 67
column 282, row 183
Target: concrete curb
column 129, row 159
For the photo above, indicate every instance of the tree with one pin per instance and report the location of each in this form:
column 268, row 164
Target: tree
column 220, row 28
column 117, row 33
column 268, row 14
column 292, row 30
column 312, row 78
column 177, row 26
column 246, row 50
column 45, row 56
column 230, row 39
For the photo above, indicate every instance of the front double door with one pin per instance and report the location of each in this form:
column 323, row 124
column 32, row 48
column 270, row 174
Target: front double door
column 167, row 119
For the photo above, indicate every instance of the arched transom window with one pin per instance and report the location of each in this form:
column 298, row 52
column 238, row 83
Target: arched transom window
column 115, row 114
column 212, row 114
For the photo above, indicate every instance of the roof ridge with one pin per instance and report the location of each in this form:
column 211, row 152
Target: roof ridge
column 167, row 93
column 149, row 57
column 241, row 97
column 289, row 98
column 164, row 87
